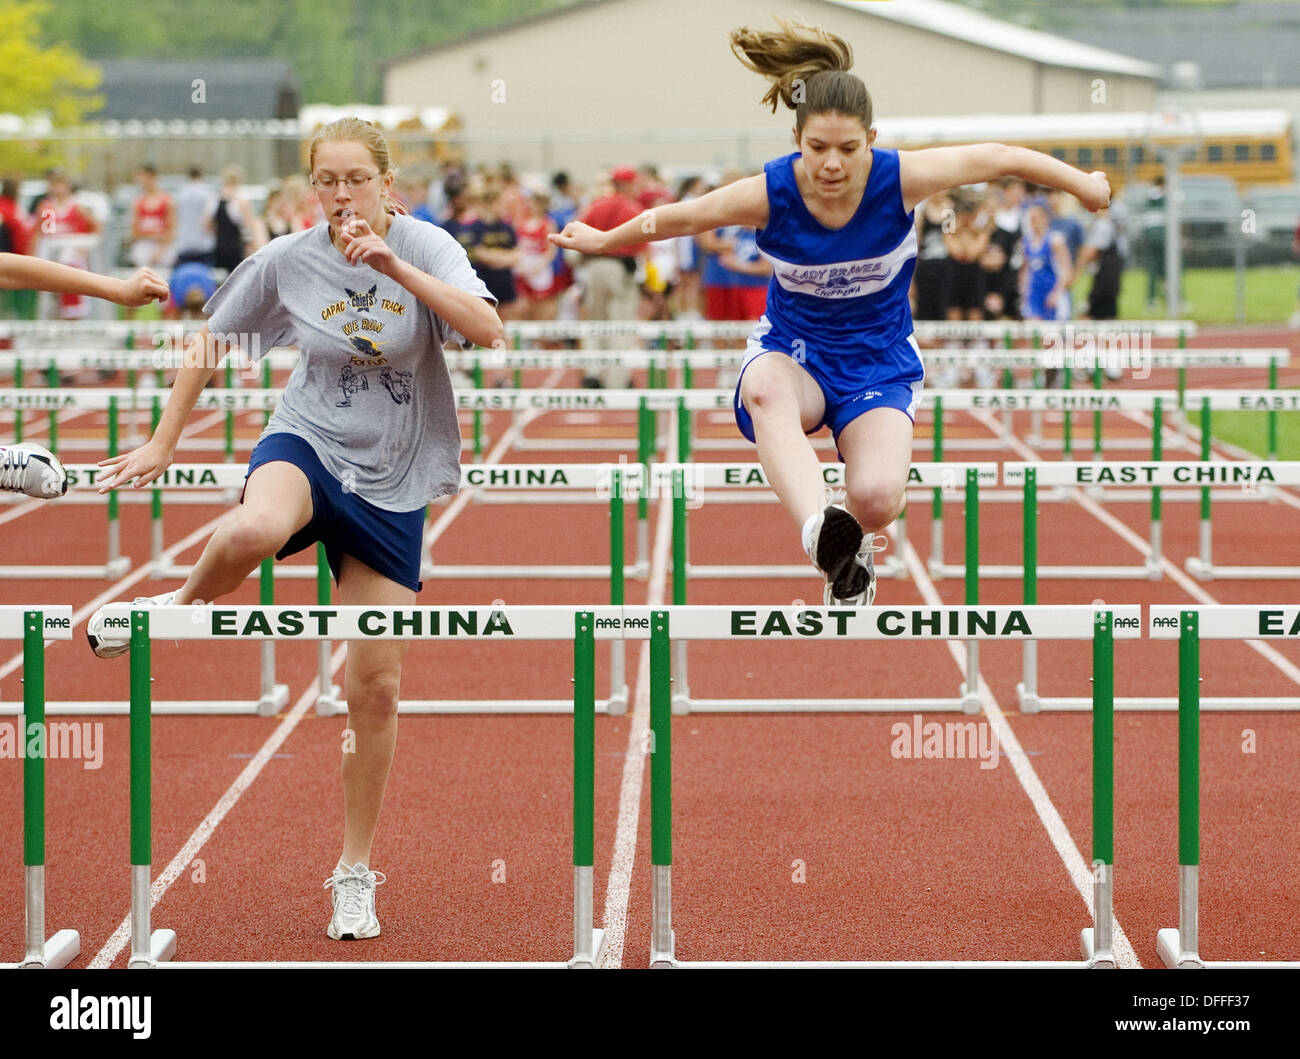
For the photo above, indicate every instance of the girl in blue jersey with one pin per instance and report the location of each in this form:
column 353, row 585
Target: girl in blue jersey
column 1047, row 273
column 835, row 346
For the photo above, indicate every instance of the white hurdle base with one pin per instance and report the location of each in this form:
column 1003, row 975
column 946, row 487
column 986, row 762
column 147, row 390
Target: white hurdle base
column 104, row 572
column 332, row 705
column 1204, row 571
column 265, row 707
column 940, row 571
column 691, row 705
column 1169, row 947
column 1088, row 949
column 882, row 965
column 162, row 947
column 1034, row 703
column 309, row 965
column 60, row 949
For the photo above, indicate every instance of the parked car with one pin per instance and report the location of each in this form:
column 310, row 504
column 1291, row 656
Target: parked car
column 1212, row 220
column 1275, row 214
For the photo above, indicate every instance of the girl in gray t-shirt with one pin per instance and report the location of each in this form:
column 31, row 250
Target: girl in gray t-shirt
column 364, row 437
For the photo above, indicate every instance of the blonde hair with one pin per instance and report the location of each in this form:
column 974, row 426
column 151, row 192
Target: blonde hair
column 808, row 69
column 355, row 130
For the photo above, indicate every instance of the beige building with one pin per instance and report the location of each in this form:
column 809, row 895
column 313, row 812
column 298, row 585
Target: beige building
column 627, row 81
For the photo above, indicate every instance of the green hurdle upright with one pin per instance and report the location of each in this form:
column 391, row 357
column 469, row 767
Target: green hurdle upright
column 33, row 627
column 794, row 625
column 1180, row 947
column 155, row 948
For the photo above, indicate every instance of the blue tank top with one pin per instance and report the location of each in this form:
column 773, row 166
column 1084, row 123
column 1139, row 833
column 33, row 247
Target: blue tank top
column 842, row 291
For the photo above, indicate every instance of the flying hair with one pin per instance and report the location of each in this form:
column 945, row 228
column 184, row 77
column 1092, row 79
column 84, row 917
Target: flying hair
column 808, row 69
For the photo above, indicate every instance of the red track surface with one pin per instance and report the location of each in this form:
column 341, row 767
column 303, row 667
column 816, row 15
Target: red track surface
column 901, row 859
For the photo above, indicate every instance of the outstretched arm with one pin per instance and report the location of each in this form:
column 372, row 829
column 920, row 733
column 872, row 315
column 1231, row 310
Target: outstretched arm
column 19, row 272
column 925, row 173
column 202, row 357
column 743, row 202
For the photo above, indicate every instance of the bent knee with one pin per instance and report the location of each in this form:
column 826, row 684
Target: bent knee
column 254, row 537
column 374, row 698
column 875, row 504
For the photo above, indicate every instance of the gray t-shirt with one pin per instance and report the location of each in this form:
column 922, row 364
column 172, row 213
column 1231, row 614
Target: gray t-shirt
column 371, row 391
column 195, row 203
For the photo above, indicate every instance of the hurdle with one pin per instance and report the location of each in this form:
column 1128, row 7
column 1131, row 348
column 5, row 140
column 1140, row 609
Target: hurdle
column 619, row 483
column 1202, row 565
column 692, row 485
column 792, row 624
column 1252, row 479
column 156, row 948
column 34, row 627
column 1180, row 947
column 941, row 477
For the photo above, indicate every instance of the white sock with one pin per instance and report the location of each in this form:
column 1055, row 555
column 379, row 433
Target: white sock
column 807, row 533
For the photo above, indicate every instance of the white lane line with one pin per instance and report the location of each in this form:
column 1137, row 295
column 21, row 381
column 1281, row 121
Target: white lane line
column 618, row 890
column 1267, row 651
column 1079, row 872
column 121, row 937
column 176, row 867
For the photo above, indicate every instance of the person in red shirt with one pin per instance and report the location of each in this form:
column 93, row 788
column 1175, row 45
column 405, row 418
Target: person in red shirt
column 609, row 290
column 535, row 270
column 58, row 214
column 153, row 222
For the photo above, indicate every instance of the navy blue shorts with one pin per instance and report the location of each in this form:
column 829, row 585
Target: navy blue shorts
column 389, row 542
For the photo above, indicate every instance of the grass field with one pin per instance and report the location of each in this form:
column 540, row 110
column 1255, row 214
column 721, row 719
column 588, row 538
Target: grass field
column 1250, row 431
column 1211, row 295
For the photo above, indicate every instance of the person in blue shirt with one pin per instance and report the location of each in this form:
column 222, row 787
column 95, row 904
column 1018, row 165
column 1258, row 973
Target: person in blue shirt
column 835, row 346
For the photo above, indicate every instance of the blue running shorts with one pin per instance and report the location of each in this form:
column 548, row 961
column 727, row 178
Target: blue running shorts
column 389, row 542
column 851, row 384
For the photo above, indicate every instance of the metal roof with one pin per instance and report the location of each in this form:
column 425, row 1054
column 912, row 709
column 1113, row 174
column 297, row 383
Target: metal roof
column 231, row 88
column 975, row 27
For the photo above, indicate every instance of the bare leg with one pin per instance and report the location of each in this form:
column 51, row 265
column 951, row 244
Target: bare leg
column 784, row 400
column 374, row 671
column 277, row 504
column 877, row 450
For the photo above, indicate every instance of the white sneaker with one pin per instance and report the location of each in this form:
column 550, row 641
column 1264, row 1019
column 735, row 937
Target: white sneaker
column 353, row 892
column 32, row 469
column 871, row 543
column 108, row 644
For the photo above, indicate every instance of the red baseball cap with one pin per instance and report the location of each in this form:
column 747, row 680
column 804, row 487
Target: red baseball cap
column 624, row 174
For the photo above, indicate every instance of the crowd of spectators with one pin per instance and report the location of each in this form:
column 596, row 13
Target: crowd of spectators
column 999, row 252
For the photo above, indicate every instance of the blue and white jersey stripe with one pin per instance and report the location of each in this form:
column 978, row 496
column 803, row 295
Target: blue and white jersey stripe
column 842, row 292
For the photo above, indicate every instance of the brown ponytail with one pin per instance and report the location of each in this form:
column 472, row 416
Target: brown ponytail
column 808, row 68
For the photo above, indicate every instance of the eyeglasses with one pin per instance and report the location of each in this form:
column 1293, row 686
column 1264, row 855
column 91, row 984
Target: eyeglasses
column 328, row 181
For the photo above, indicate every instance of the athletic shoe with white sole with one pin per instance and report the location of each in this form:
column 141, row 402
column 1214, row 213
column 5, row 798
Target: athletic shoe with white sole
column 871, row 543
column 353, row 892
column 32, row 469
column 108, row 644
column 833, row 547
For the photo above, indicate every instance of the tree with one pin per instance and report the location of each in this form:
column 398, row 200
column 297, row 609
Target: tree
column 36, row 82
